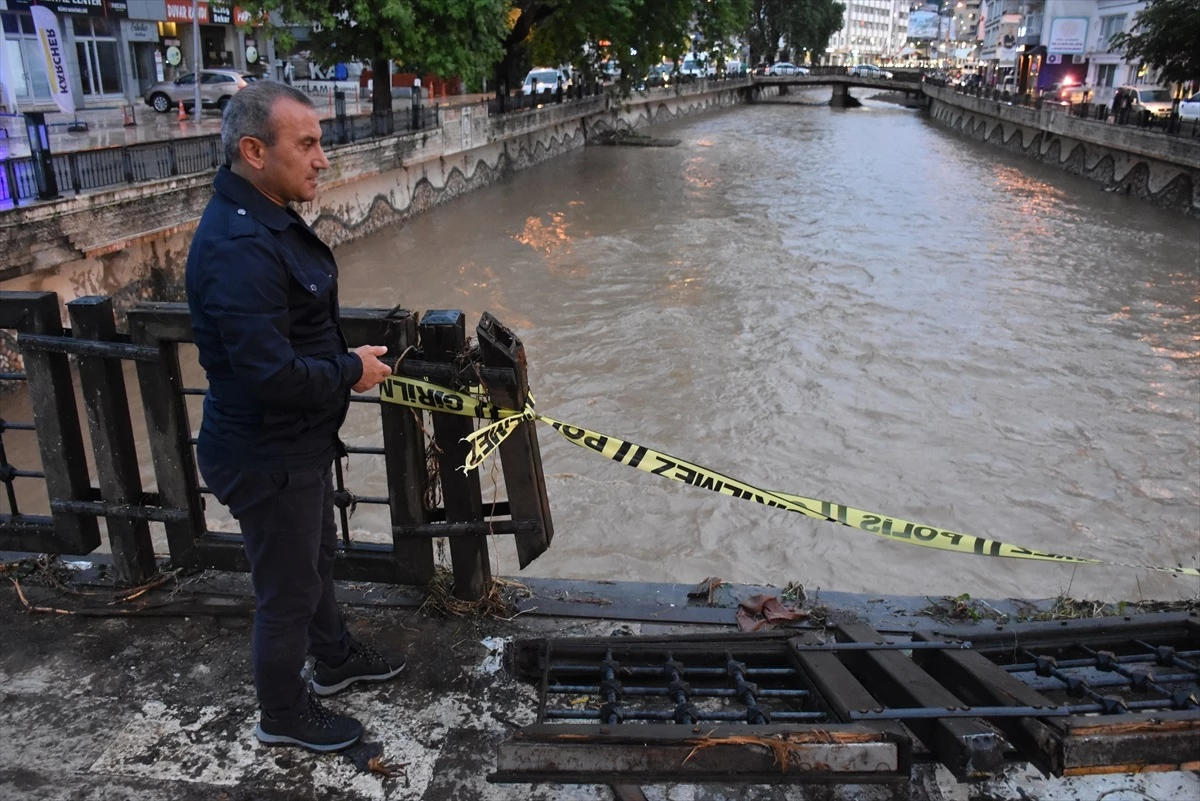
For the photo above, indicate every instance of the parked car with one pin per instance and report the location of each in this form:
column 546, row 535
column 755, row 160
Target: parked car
column 659, row 75
column 216, row 89
column 1190, row 108
column 546, row 79
column 786, row 68
column 691, row 70
column 869, row 71
column 1065, row 92
column 1154, row 99
column 735, row 68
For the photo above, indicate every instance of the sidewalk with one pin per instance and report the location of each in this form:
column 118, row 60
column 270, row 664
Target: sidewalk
column 106, row 127
column 159, row 705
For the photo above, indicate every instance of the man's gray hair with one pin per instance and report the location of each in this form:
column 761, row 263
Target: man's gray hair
column 249, row 114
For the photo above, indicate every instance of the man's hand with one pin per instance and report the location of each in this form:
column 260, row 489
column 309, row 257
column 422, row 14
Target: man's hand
column 374, row 371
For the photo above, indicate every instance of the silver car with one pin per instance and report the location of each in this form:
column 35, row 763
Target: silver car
column 216, row 88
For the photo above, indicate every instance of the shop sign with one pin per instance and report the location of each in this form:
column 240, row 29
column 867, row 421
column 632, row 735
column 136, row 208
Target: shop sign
column 117, row 9
column 217, row 14
column 54, row 52
column 181, row 11
column 1067, row 35
column 137, row 30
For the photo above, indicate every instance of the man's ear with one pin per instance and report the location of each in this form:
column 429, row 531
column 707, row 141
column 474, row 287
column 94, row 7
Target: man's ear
column 253, row 152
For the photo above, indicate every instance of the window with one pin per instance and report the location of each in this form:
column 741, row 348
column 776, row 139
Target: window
column 1109, row 27
column 96, row 53
column 1106, row 75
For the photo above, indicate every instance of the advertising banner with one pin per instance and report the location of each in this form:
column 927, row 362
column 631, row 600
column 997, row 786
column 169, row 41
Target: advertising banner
column 923, row 25
column 89, row 8
column 1067, row 35
column 50, row 35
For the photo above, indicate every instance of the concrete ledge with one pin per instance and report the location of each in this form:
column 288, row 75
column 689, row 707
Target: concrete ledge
column 1152, row 166
column 1178, row 150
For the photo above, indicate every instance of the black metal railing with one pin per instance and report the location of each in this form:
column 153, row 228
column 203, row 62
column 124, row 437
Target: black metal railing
column 61, row 515
column 1170, row 124
column 100, row 168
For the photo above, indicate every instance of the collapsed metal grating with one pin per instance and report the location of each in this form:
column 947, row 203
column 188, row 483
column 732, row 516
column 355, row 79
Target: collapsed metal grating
column 663, row 688
column 1134, row 676
column 851, row 705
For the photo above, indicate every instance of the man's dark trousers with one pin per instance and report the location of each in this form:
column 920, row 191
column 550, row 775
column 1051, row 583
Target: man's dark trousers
column 291, row 540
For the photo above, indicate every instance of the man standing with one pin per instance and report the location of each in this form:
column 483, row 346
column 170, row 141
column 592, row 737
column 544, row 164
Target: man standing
column 262, row 288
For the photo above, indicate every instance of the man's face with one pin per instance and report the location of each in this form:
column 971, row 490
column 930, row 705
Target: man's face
column 291, row 165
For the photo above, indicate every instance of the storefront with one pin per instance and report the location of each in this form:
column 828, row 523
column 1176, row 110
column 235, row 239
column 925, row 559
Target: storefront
column 222, row 44
column 146, row 57
column 91, row 31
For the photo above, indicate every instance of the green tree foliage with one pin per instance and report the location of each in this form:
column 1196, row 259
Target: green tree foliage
column 1165, row 35
column 801, row 24
column 635, row 33
column 445, row 37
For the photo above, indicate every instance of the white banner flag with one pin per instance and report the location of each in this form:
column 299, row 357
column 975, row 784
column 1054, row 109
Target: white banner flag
column 50, row 35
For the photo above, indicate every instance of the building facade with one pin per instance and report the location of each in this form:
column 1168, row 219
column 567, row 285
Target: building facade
column 998, row 50
column 118, row 48
column 873, row 31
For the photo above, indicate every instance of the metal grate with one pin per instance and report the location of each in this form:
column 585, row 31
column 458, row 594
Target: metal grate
column 1118, row 679
column 663, row 688
column 1072, row 697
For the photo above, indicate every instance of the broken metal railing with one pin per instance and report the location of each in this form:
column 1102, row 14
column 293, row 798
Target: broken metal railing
column 970, row 698
column 437, row 343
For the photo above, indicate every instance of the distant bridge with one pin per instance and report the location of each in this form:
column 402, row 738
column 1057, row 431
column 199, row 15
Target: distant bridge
column 837, row 77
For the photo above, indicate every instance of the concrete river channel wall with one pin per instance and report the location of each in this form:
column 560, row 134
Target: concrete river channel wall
column 131, row 242
column 1147, row 164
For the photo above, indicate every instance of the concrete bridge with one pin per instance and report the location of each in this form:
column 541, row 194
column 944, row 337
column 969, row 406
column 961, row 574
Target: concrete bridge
column 841, row 82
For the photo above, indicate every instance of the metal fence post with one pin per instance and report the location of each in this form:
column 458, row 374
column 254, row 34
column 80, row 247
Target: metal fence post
column 169, row 434
column 520, row 454
column 443, row 336
column 56, row 420
column 12, row 191
column 107, row 404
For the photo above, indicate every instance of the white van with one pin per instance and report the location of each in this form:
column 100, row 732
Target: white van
column 1155, row 99
column 546, row 80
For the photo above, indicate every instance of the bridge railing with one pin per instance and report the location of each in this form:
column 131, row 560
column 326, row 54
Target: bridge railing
column 53, row 498
column 1171, row 125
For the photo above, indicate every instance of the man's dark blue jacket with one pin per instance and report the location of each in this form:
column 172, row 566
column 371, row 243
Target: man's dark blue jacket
column 262, row 288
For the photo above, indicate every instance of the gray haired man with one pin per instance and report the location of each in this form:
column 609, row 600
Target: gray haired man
column 262, row 289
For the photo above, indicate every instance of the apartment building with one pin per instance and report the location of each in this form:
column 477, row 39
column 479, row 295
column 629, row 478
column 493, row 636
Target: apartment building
column 998, row 51
column 872, row 31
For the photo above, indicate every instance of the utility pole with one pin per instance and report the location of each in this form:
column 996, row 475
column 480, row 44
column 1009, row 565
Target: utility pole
column 196, row 59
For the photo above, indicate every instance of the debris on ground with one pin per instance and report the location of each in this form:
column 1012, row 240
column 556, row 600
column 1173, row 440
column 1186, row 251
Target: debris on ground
column 763, row 611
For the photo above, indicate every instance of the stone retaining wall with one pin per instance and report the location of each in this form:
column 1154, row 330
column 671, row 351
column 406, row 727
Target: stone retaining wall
column 131, row 243
column 1162, row 169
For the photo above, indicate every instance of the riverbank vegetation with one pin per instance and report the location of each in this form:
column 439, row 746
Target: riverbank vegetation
column 494, row 42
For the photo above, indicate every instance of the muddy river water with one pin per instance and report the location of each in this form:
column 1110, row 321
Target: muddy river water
column 853, row 305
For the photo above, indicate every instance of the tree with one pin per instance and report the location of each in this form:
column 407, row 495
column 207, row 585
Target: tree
column 446, row 37
column 800, row 24
column 1166, row 36
column 636, row 33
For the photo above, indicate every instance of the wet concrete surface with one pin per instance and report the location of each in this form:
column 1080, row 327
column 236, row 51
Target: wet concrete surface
column 162, row 707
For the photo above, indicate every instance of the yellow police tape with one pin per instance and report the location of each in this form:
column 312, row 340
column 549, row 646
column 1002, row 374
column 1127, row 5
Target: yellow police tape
column 431, row 397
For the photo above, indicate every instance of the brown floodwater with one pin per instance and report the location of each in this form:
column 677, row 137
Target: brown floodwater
column 852, row 305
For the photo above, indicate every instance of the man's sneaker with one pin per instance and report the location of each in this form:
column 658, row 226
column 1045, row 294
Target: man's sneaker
column 315, row 728
column 363, row 664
